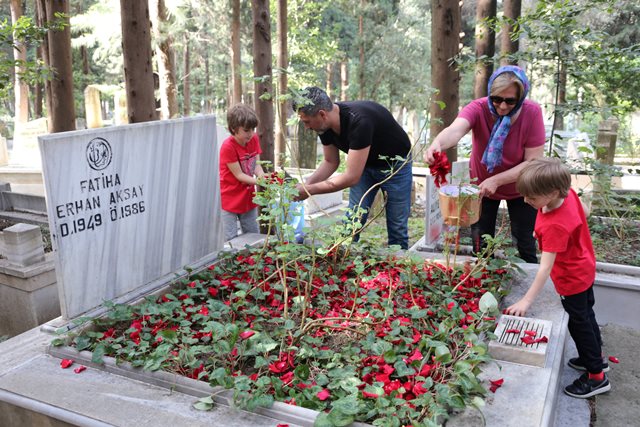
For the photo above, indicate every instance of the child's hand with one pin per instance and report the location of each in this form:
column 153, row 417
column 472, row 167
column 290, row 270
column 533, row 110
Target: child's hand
column 518, row 309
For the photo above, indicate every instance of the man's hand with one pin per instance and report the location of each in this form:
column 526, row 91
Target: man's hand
column 302, row 193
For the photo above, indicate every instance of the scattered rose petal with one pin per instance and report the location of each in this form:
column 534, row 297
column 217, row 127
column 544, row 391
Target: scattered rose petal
column 247, row 334
column 282, row 425
column 79, row 369
column 531, row 333
column 614, row 359
column 496, row 384
column 66, row 363
column 323, row 395
column 369, row 395
column 512, row 331
column 451, row 305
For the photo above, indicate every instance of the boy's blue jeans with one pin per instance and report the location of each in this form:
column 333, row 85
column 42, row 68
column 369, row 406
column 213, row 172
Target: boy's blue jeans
column 398, row 190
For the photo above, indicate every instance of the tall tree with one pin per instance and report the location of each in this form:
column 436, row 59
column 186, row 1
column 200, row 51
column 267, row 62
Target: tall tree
column 344, row 79
column 61, row 106
column 485, row 46
column 509, row 45
column 263, row 75
column 166, row 61
column 138, row 70
column 20, row 87
column 445, row 78
column 283, row 63
column 235, row 53
column 186, row 79
column 361, row 67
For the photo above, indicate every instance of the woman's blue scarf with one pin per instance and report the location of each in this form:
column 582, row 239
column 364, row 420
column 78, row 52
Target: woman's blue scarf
column 492, row 156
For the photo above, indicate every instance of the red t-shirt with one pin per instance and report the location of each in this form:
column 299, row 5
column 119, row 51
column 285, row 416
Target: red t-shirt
column 237, row 197
column 527, row 131
column 565, row 231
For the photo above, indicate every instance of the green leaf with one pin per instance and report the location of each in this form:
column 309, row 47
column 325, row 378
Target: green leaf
column 488, row 302
column 340, row 419
column 349, row 405
column 442, row 354
column 98, row 354
column 402, row 369
column 302, row 372
column 82, row 342
column 204, row 404
column 322, row 420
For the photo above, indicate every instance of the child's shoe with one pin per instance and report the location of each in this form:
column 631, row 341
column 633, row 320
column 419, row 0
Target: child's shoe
column 576, row 363
column 584, row 387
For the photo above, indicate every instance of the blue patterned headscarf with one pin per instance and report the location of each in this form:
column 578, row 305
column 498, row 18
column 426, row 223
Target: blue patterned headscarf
column 492, row 156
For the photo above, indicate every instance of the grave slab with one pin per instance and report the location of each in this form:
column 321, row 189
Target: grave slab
column 510, row 347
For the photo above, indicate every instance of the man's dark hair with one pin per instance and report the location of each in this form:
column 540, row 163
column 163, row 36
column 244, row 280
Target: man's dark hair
column 314, row 100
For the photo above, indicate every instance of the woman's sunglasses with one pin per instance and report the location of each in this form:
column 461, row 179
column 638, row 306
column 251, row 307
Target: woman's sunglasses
column 499, row 100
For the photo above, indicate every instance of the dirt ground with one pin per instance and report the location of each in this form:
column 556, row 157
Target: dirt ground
column 621, row 406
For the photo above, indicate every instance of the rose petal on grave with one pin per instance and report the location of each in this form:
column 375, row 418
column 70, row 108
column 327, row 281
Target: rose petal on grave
column 79, row 369
column 246, row 334
column 614, row 359
column 497, row 383
column 512, row 331
column 323, row 395
column 531, row 333
column 65, row 363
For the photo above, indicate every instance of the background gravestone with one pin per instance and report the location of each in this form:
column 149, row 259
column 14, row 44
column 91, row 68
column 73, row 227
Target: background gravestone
column 130, row 205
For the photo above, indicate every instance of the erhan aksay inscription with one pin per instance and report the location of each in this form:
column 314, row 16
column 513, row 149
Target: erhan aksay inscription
column 89, row 213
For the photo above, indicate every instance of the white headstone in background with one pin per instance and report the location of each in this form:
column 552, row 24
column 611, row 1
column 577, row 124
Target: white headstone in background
column 459, row 172
column 129, row 205
column 433, row 216
column 25, row 150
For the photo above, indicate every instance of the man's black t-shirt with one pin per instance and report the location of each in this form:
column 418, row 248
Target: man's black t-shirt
column 364, row 124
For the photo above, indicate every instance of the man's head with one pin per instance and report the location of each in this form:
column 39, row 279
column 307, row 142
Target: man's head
column 314, row 108
column 543, row 180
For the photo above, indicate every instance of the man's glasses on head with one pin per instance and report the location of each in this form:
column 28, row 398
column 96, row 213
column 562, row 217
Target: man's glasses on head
column 499, row 100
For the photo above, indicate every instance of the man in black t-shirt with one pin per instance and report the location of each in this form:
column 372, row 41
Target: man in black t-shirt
column 365, row 131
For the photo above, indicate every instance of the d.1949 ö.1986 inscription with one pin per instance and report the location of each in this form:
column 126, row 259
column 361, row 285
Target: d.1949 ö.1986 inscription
column 87, row 213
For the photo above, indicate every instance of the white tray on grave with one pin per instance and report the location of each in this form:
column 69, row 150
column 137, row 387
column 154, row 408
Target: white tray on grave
column 510, row 347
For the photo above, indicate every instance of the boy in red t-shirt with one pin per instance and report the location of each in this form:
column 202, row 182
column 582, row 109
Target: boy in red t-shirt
column 568, row 257
column 239, row 168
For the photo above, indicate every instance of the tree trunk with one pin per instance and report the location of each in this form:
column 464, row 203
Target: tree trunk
column 283, row 63
column 20, row 88
column 328, row 79
column 262, row 70
column 304, row 149
column 361, row 36
column 62, row 113
column 186, row 81
column 445, row 38
column 561, row 98
column 138, row 70
column 344, row 79
column 511, row 10
column 166, row 62
column 41, row 18
column 235, row 52
column 485, row 46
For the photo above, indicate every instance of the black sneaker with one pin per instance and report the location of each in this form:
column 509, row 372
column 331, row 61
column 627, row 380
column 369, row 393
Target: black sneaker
column 576, row 363
column 583, row 387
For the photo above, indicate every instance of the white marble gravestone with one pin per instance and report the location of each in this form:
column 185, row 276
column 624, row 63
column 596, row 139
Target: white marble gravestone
column 129, row 205
column 433, row 215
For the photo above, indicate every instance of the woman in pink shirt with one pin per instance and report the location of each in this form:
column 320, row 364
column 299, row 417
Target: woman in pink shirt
column 507, row 130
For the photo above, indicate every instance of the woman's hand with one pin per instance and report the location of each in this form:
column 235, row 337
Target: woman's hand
column 428, row 155
column 488, row 187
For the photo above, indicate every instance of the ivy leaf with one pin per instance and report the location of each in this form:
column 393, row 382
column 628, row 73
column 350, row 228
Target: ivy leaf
column 442, row 354
column 204, row 404
column 340, row 419
column 302, row 372
column 98, row 354
column 349, row 405
column 488, row 303
column 322, row 420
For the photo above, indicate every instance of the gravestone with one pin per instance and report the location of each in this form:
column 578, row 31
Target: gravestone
column 129, row 206
column 25, row 143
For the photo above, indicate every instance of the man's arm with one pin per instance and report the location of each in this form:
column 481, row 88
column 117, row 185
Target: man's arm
column 356, row 161
column 448, row 137
column 546, row 263
column 491, row 184
column 330, row 163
